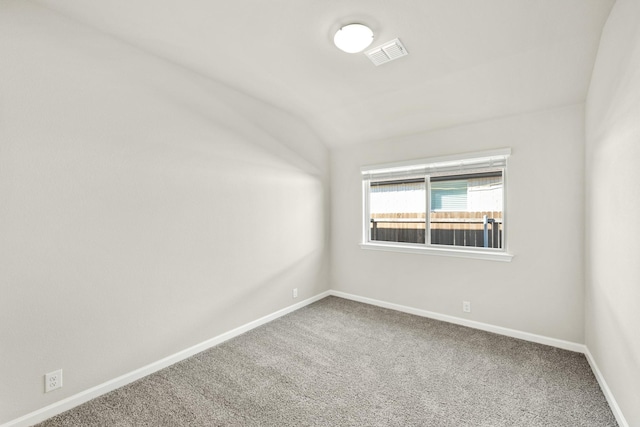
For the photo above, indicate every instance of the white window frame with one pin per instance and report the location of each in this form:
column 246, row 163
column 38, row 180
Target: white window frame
column 422, row 167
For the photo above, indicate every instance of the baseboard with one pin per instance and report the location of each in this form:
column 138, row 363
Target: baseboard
column 622, row 422
column 84, row 396
column 554, row 342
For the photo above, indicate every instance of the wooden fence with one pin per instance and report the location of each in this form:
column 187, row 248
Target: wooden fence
column 447, row 228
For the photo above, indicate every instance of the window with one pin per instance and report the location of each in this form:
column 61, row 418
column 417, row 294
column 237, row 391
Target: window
column 452, row 206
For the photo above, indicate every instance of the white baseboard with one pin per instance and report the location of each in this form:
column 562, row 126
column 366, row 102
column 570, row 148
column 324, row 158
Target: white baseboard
column 84, row 396
column 622, row 422
column 540, row 339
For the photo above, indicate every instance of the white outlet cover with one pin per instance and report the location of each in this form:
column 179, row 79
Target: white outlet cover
column 53, row 381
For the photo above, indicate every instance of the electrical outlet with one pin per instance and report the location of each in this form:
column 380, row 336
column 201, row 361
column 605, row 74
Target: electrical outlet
column 53, row 380
column 295, row 292
column 466, row 306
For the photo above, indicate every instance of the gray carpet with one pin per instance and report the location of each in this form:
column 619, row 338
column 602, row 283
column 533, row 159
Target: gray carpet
column 342, row 363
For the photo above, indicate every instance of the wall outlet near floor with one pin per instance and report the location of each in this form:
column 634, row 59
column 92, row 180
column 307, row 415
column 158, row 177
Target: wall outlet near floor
column 295, row 292
column 52, row 380
column 466, row 306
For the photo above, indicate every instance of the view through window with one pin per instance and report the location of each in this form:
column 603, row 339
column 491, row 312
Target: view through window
column 464, row 202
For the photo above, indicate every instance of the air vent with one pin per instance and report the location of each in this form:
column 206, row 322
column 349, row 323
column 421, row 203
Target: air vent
column 387, row 52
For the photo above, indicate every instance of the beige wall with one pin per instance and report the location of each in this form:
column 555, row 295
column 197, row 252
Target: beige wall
column 541, row 290
column 612, row 208
column 140, row 206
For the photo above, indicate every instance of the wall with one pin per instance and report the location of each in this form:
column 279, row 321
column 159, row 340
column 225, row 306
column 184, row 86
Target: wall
column 541, row 290
column 140, row 208
column 612, row 206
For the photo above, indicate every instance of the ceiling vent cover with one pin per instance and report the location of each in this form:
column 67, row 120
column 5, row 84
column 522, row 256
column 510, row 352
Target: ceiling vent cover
column 386, row 52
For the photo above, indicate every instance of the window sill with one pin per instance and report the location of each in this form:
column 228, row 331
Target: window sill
column 430, row 250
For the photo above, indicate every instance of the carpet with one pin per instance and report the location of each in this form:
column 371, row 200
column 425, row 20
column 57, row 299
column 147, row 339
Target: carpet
column 342, row 363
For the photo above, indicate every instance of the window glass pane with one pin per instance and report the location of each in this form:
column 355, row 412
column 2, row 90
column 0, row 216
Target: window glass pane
column 398, row 211
column 467, row 211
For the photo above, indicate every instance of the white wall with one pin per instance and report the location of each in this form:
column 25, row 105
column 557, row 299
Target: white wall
column 541, row 290
column 143, row 208
column 613, row 207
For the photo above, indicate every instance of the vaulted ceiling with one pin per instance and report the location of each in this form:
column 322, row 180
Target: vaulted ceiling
column 469, row 60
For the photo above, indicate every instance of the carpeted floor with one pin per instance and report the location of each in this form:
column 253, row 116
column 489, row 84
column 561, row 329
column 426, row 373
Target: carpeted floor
column 343, row 363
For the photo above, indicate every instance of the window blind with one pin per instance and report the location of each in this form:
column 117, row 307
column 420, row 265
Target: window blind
column 475, row 162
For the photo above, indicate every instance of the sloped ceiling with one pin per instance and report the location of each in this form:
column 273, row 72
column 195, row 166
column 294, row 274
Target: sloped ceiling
column 469, row 60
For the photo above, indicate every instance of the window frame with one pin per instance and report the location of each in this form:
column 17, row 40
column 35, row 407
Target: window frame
column 462, row 162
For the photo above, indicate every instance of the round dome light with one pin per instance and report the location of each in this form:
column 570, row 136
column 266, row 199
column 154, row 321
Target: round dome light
column 353, row 38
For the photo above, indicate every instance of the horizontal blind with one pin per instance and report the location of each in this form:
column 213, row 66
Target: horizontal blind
column 391, row 174
column 422, row 168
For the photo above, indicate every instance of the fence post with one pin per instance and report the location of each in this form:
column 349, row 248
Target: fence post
column 486, row 231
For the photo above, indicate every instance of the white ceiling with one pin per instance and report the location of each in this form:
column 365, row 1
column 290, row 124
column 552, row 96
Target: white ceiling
column 468, row 60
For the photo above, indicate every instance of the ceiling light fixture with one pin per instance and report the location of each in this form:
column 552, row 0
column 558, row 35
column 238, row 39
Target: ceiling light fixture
column 353, row 38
